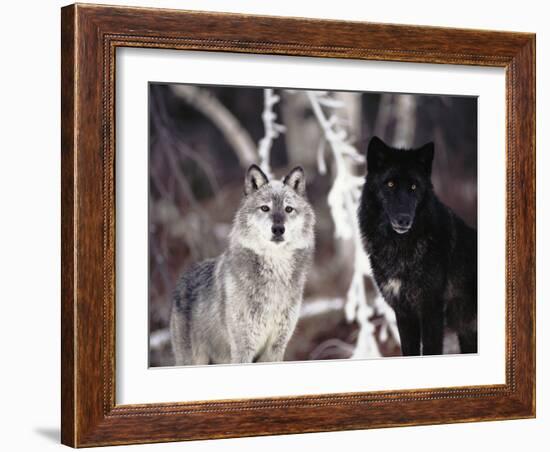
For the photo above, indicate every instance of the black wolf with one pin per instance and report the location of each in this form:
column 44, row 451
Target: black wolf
column 423, row 256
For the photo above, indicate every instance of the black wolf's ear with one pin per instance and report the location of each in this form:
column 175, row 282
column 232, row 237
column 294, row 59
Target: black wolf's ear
column 296, row 179
column 255, row 178
column 426, row 156
column 377, row 154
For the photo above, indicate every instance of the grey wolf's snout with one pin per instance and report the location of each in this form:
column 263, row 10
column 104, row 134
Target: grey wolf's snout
column 402, row 223
column 278, row 230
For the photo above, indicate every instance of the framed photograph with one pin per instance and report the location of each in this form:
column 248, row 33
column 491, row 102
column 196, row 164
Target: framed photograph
column 282, row 225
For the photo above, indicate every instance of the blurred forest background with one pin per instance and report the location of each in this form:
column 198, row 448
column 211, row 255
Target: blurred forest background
column 202, row 140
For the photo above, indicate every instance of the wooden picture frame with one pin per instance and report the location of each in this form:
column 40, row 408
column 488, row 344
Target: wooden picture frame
column 90, row 36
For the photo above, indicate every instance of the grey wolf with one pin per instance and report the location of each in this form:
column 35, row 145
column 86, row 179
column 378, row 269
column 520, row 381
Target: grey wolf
column 242, row 306
column 423, row 256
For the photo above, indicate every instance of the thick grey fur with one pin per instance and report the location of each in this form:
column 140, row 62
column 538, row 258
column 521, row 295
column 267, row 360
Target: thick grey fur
column 242, row 306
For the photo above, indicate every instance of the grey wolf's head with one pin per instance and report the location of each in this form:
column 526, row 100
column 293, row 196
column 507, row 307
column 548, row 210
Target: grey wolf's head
column 400, row 179
column 274, row 215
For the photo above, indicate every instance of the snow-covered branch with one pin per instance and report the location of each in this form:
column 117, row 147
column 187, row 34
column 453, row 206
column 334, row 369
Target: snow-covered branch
column 272, row 130
column 343, row 200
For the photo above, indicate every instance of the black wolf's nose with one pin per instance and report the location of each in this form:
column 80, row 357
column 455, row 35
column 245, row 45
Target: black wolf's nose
column 278, row 230
column 404, row 221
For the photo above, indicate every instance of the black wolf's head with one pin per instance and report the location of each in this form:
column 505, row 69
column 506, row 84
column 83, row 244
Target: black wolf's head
column 400, row 179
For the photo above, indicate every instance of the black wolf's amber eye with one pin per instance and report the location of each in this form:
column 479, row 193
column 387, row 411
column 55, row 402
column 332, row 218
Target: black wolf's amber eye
column 391, row 184
column 265, row 208
column 413, row 187
column 288, row 209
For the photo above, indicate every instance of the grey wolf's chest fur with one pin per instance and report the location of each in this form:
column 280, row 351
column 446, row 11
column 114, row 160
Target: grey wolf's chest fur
column 262, row 289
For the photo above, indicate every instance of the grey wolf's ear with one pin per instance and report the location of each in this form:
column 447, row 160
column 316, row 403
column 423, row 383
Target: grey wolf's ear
column 426, row 156
column 377, row 154
column 296, row 180
column 255, row 178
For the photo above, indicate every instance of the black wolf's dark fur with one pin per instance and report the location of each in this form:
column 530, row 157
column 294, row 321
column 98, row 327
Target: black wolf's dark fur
column 423, row 256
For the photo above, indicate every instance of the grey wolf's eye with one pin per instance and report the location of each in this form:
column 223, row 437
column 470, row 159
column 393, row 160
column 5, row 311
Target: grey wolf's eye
column 390, row 184
column 413, row 187
column 288, row 209
column 265, row 208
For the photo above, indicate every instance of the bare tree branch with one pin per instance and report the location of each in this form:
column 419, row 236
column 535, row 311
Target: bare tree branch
column 405, row 116
column 331, row 347
column 383, row 116
column 212, row 108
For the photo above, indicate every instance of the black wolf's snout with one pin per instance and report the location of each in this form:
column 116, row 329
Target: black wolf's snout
column 278, row 230
column 402, row 222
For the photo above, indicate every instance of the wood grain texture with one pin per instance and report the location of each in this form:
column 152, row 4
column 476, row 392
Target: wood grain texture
column 90, row 36
column 67, row 226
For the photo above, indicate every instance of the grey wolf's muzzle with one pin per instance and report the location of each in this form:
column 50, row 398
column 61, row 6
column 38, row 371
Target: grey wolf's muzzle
column 278, row 231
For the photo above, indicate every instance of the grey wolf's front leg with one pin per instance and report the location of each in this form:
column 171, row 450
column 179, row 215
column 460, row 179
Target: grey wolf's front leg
column 242, row 352
column 273, row 353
